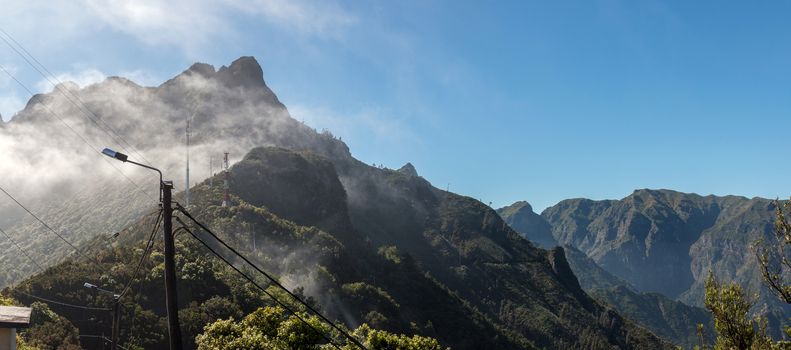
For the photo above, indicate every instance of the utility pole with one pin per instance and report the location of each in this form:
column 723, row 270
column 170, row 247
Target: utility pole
column 166, row 199
column 171, row 299
column 116, row 323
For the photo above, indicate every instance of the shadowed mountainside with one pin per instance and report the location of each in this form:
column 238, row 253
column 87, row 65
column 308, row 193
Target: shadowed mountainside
column 367, row 244
column 667, row 242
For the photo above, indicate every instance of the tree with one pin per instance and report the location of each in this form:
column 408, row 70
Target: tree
column 730, row 307
column 271, row 328
column 773, row 258
column 48, row 330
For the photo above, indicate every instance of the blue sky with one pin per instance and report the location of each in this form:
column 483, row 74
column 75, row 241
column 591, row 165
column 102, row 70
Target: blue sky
column 504, row 101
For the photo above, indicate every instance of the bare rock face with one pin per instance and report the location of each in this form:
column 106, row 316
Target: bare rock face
column 667, row 242
column 303, row 188
column 408, row 169
column 522, row 219
column 560, row 266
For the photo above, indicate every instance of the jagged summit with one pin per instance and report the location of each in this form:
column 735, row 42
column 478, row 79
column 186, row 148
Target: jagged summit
column 204, row 69
column 245, row 71
column 518, row 206
column 521, row 217
column 408, row 169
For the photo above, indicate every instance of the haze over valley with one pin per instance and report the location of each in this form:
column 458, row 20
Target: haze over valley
column 430, row 176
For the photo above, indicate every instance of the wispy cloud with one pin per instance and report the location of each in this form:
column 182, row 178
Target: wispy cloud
column 191, row 25
column 367, row 123
column 82, row 78
column 319, row 18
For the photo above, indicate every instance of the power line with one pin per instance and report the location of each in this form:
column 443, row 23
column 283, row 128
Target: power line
column 84, row 140
column 83, row 107
column 253, row 282
column 103, row 338
column 47, row 226
column 62, row 303
column 143, row 257
column 270, row 277
column 22, row 250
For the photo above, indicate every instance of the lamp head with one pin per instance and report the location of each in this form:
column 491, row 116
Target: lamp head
column 113, row 154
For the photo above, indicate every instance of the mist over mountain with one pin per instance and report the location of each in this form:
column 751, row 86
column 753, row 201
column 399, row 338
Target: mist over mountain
column 231, row 110
column 368, row 244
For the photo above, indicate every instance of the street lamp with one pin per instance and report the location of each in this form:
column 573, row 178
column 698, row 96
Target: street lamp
column 165, row 199
column 124, row 158
column 116, row 312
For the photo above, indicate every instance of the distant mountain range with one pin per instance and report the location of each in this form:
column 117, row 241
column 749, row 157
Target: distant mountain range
column 662, row 241
column 366, row 244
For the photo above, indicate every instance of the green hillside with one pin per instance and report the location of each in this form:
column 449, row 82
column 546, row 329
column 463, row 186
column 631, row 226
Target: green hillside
column 483, row 286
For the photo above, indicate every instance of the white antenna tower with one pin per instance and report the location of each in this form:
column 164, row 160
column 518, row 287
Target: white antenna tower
column 226, row 202
column 187, row 185
column 197, row 102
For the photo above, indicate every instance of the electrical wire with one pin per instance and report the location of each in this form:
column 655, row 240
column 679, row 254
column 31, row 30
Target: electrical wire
column 103, row 338
column 268, row 276
column 34, row 261
column 143, row 257
column 83, row 107
column 47, row 226
column 62, row 303
column 253, row 282
column 84, row 140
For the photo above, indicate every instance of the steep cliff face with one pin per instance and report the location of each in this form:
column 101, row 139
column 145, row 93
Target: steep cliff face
column 299, row 187
column 662, row 315
column 647, row 234
column 391, row 238
column 468, row 248
column 667, row 242
column 665, row 317
column 534, row 227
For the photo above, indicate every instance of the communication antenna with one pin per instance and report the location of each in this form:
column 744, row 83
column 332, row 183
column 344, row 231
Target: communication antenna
column 227, row 198
column 197, row 102
column 187, row 184
column 211, row 171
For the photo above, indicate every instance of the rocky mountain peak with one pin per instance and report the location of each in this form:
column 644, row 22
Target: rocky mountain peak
column 244, row 72
column 521, row 217
column 203, row 69
column 408, row 169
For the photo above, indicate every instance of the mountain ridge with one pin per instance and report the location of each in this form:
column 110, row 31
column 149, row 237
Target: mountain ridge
column 667, row 241
column 457, row 246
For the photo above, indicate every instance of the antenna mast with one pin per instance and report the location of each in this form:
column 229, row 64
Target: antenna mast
column 187, row 185
column 211, row 171
column 227, row 198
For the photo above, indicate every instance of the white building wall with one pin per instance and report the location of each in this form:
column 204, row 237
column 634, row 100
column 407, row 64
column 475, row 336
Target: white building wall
column 7, row 339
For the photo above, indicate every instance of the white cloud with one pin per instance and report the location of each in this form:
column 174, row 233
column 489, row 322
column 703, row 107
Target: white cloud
column 308, row 17
column 141, row 77
column 82, row 78
column 191, row 25
column 368, row 123
column 184, row 23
